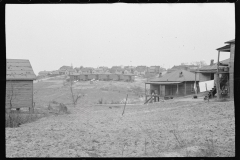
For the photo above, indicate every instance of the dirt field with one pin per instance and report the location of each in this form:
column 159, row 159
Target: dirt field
column 174, row 128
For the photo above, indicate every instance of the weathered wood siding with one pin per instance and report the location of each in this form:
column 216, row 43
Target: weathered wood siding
column 231, row 70
column 21, row 93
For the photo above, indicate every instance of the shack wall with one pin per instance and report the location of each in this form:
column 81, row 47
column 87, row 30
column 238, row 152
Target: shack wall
column 19, row 94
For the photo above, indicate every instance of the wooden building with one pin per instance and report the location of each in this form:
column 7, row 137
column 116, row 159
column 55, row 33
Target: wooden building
column 19, row 84
column 114, row 77
column 129, row 77
column 74, row 76
column 104, row 77
column 92, row 76
column 83, row 77
column 121, row 77
column 176, row 83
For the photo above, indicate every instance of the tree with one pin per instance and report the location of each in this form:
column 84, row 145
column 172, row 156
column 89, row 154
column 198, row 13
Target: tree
column 75, row 98
column 199, row 63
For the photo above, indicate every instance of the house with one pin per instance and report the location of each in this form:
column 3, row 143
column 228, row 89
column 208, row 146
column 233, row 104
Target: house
column 127, row 71
column 119, row 71
column 114, row 77
column 121, row 77
column 222, row 72
column 141, row 69
column 86, row 70
column 83, row 77
column 184, row 67
column 55, row 72
column 19, row 84
column 97, row 71
column 176, row 83
column 64, row 68
column 136, row 73
column 115, row 68
column 70, row 71
column 104, row 77
column 44, row 73
column 129, row 77
column 74, row 76
column 92, row 76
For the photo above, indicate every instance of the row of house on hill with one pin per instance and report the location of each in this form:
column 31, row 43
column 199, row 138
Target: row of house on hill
column 180, row 80
column 139, row 70
column 102, row 77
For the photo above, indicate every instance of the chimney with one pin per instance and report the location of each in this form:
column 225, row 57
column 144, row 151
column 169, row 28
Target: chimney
column 160, row 74
column 211, row 62
column 180, row 74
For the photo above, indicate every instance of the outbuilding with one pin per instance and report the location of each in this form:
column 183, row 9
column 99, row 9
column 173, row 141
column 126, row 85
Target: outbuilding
column 19, row 84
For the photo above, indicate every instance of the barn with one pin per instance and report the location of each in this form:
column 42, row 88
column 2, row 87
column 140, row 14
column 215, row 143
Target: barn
column 19, row 84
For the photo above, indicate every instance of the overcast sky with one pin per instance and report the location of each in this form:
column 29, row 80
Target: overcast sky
column 93, row 35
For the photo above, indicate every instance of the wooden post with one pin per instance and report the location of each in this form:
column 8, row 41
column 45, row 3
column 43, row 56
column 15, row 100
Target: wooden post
column 177, row 89
column 217, row 79
column 195, row 85
column 185, row 88
column 145, row 93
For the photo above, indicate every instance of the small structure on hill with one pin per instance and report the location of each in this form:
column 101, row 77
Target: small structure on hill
column 19, row 84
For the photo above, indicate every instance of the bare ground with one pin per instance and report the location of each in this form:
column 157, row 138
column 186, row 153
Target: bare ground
column 172, row 128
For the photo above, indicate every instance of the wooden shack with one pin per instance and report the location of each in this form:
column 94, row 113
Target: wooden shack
column 19, row 84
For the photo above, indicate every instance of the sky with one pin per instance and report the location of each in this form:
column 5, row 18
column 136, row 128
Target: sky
column 93, row 35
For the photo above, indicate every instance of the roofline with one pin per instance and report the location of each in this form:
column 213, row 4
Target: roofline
column 231, row 41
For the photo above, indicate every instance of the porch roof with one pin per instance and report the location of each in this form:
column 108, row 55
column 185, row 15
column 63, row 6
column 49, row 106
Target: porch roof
column 166, row 83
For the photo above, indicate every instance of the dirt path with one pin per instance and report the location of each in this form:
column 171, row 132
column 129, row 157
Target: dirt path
column 147, row 130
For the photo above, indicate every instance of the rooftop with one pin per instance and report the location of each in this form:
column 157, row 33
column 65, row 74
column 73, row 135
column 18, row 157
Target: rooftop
column 19, row 69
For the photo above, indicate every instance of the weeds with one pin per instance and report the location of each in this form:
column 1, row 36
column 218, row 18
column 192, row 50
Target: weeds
column 20, row 118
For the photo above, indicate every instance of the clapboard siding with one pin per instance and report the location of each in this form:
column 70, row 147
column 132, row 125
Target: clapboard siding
column 22, row 93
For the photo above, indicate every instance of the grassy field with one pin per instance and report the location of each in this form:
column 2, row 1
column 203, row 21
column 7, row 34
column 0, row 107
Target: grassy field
column 175, row 128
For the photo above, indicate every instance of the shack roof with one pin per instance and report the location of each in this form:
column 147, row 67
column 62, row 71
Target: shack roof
column 174, row 77
column 19, row 69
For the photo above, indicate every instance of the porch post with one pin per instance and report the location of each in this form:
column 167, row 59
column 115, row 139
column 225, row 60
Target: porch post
column 217, row 79
column 195, row 89
column 145, row 93
column 177, row 89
